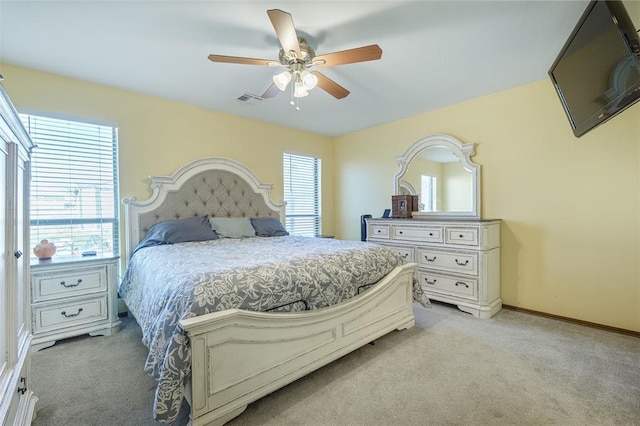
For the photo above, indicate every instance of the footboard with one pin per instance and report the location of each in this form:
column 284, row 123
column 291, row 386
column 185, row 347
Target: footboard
column 240, row 356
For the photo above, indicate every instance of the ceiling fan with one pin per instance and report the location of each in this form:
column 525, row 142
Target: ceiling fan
column 298, row 57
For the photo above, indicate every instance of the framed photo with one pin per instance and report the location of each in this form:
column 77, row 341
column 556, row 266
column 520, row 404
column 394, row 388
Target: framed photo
column 403, row 205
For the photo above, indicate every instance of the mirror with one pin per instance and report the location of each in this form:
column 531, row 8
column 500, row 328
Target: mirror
column 439, row 170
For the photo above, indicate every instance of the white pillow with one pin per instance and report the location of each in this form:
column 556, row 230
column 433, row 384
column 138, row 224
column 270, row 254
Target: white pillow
column 232, row 227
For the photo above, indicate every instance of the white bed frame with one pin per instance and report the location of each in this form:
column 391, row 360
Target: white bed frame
column 240, row 356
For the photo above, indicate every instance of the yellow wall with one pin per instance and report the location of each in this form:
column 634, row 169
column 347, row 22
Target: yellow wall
column 157, row 136
column 571, row 207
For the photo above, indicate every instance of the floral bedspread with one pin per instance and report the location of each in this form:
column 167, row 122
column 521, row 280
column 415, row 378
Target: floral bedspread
column 167, row 283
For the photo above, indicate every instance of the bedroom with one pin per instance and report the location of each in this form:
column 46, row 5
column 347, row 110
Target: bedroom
column 570, row 207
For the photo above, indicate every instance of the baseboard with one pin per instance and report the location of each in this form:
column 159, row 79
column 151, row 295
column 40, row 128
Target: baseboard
column 575, row 321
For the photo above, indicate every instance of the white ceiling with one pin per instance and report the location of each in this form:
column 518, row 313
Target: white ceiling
column 435, row 53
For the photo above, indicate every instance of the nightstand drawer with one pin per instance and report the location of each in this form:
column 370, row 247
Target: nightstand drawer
column 465, row 287
column 75, row 312
column 65, row 283
column 448, row 260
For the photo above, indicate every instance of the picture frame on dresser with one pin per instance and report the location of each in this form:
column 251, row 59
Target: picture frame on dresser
column 456, row 251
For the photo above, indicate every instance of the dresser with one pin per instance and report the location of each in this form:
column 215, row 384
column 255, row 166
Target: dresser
column 73, row 295
column 458, row 261
column 17, row 401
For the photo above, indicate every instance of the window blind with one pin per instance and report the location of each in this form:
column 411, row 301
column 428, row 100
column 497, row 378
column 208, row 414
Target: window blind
column 302, row 193
column 74, row 185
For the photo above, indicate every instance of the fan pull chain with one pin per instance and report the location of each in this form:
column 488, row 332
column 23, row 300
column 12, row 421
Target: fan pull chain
column 294, row 103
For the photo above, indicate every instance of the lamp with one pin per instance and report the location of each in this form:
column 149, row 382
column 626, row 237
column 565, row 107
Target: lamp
column 308, row 80
column 281, row 80
column 303, row 81
column 299, row 91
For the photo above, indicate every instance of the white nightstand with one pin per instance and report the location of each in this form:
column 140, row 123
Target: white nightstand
column 73, row 295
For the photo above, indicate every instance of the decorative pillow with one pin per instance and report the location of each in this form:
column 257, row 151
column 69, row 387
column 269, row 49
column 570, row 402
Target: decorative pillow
column 232, row 227
column 268, row 227
column 195, row 228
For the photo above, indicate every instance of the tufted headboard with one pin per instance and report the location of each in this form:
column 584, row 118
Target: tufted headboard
column 213, row 186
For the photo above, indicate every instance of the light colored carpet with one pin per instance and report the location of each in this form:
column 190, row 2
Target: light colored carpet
column 450, row 369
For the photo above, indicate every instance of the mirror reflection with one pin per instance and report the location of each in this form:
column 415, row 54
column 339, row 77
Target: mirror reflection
column 439, row 171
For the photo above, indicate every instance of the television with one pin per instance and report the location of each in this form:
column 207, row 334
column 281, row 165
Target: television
column 597, row 72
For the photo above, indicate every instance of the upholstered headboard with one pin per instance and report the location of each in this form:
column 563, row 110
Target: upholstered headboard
column 214, row 187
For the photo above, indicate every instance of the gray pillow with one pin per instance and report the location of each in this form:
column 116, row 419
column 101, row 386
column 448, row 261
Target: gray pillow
column 232, row 227
column 195, row 228
column 268, row 227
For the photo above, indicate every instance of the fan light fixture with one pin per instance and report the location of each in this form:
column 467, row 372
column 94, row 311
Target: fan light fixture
column 298, row 57
column 303, row 81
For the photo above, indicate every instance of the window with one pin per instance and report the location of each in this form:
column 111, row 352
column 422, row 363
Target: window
column 74, row 185
column 302, row 194
column 428, row 195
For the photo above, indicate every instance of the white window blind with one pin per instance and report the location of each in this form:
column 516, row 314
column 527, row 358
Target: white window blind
column 302, row 194
column 74, row 185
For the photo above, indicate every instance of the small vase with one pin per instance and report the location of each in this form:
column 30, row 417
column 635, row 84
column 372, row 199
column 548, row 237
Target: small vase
column 44, row 250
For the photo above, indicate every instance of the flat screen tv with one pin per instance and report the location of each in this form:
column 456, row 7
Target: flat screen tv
column 597, row 72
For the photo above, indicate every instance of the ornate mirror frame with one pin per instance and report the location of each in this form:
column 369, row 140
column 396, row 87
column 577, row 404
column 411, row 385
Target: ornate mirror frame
column 463, row 151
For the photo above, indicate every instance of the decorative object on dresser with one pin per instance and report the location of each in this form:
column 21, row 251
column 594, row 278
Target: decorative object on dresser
column 73, row 295
column 402, row 206
column 44, row 250
column 457, row 253
column 17, row 401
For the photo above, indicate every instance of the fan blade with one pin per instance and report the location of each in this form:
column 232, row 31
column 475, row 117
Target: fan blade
column 271, row 92
column 239, row 60
column 330, row 86
column 359, row 54
column 283, row 25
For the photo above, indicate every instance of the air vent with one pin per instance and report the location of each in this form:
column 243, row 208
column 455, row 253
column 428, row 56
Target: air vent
column 250, row 99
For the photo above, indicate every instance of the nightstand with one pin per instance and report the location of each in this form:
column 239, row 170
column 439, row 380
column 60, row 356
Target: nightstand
column 73, row 295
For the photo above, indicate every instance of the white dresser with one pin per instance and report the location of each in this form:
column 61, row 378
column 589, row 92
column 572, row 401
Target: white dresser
column 71, row 296
column 458, row 260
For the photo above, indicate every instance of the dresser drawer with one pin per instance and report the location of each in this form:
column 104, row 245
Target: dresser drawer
column 461, row 236
column 65, row 283
column 76, row 312
column 379, row 231
column 448, row 261
column 425, row 234
column 437, row 283
column 405, row 252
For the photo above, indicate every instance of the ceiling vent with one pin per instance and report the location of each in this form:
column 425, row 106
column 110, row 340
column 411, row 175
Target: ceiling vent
column 250, row 99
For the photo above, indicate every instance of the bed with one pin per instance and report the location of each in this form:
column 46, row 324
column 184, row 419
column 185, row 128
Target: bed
column 253, row 340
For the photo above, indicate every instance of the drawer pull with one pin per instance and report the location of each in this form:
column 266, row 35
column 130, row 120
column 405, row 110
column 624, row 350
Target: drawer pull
column 460, row 236
column 465, row 263
column 462, row 283
column 18, row 254
column 404, row 256
column 75, row 315
column 430, row 282
column 431, row 234
column 22, row 388
column 379, row 231
column 64, row 284
column 430, row 260
column 400, row 232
